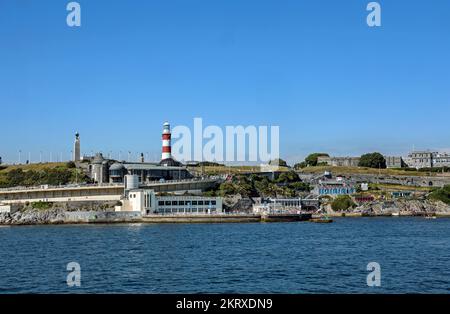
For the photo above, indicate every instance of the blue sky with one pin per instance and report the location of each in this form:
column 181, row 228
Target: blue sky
column 312, row 67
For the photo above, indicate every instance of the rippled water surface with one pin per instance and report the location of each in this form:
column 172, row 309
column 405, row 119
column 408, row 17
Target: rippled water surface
column 414, row 254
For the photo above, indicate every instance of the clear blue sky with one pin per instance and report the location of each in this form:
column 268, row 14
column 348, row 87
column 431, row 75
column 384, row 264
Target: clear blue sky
column 312, row 67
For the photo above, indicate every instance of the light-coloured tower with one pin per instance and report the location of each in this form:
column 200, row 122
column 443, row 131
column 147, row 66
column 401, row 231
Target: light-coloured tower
column 76, row 148
column 166, row 148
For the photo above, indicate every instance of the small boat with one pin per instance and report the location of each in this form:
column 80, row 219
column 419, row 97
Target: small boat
column 430, row 217
column 395, row 214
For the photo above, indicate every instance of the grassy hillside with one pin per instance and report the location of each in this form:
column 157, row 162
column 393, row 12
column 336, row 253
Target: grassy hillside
column 363, row 170
column 38, row 174
column 398, row 187
column 35, row 167
column 216, row 170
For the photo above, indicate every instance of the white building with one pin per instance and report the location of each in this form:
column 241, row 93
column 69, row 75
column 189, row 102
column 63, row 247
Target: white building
column 427, row 159
column 147, row 202
column 279, row 205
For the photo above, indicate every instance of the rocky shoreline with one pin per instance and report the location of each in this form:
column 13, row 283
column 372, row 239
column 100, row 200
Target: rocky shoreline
column 105, row 214
column 401, row 207
column 33, row 217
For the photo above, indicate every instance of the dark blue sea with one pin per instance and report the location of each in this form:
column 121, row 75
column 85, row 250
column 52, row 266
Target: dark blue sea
column 303, row 257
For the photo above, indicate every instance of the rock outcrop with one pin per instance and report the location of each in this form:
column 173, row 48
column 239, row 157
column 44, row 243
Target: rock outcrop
column 238, row 203
column 27, row 215
column 33, row 217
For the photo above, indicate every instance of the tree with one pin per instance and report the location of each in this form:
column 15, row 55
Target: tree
column 227, row 188
column 311, row 160
column 288, row 177
column 278, row 162
column 342, row 203
column 300, row 165
column 300, row 186
column 372, row 160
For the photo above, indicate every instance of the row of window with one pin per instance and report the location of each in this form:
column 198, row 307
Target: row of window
column 185, row 210
column 182, row 203
column 287, row 203
column 435, row 160
column 336, row 191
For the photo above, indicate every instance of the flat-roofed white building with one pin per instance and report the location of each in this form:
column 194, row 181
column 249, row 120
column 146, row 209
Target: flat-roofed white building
column 427, row 159
column 148, row 203
column 292, row 205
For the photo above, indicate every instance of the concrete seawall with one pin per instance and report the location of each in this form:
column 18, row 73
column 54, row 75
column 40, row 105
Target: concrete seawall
column 101, row 217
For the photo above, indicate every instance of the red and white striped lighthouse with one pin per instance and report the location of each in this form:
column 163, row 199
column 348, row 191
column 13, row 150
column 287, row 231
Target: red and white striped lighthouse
column 166, row 148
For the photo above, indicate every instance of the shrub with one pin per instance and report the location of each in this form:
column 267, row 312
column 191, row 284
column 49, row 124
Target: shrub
column 41, row 205
column 227, row 188
column 288, row 177
column 300, row 186
column 442, row 194
column 342, row 203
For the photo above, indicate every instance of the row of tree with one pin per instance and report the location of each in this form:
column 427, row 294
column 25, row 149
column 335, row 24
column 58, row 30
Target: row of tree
column 370, row 160
column 287, row 184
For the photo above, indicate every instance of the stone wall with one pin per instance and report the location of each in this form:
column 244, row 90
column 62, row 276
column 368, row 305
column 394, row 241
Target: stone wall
column 101, row 216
